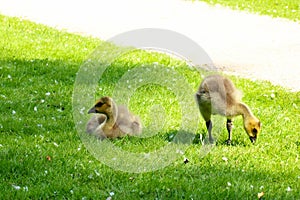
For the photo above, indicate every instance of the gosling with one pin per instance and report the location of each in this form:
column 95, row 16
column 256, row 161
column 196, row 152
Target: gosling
column 112, row 121
column 218, row 95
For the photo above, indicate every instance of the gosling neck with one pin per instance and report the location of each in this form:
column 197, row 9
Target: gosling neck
column 244, row 110
column 112, row 115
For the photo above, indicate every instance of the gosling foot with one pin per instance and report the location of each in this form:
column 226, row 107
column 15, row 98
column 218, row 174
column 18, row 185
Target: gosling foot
column 228, row 142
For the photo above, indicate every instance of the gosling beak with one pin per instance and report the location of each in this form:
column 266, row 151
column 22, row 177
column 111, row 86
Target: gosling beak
column 92, row 110
column 253, row 139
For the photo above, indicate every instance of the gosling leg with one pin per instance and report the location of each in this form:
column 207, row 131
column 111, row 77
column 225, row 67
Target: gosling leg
column 209, row 127
column 229, row 126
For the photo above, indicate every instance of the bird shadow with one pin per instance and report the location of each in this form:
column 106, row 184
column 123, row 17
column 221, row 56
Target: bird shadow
column 185, row 137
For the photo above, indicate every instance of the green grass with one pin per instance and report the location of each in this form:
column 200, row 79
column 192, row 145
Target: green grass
column 289, row 9
column 42, row 153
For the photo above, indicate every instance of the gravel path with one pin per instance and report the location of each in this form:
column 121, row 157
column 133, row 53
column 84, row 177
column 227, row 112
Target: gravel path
column 256, row 47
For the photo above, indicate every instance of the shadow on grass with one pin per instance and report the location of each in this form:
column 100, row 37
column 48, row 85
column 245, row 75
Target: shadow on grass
column 23, row 155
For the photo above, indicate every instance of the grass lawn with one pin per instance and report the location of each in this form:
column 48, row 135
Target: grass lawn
column 289, row 9
column 42, row 155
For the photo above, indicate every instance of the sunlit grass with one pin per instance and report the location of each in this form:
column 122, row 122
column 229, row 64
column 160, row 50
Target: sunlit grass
column 42, row 156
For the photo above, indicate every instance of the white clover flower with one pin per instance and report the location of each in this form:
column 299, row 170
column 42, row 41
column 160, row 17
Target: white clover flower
column 261, row 187
column 111, row 194
column 224, row 158
column 272, row 95
column 16, row 187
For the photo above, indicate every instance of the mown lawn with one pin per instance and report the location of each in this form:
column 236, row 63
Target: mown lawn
column 43, row 156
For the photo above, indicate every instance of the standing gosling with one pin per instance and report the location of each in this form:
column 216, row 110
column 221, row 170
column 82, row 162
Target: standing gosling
column 218, row 95
column 112, row 121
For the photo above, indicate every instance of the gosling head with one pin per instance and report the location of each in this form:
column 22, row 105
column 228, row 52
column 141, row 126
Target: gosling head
column 102, row 105
column 253, row 128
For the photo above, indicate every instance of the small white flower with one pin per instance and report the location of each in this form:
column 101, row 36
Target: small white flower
column 261, row 187
column 82, row 111
column 179, row 151
column 288, row 189
column 111, row 194
column 40, row 125
column 42, row 100
column 13, row 112
column 16, row 187
column 272, row 95
column 251, row 186
column 71, row 191
column 9, row 76
column 47, row 93
column 224, row 158
column 229, row 184
column 35, row 109
column 25, row 189
column 55, row 144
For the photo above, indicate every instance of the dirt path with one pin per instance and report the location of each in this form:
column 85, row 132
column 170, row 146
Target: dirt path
column 252, row 46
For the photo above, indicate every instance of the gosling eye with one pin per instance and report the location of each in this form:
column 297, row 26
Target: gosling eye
column 254, row 131
column 99, row 104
